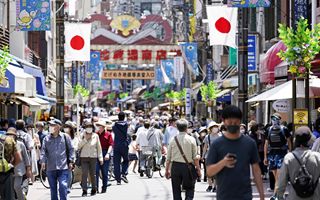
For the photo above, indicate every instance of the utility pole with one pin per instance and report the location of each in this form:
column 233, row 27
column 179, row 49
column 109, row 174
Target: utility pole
column 60, row 58
column 243, row 62
column 188, row 107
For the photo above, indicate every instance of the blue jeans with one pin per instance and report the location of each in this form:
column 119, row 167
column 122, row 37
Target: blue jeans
column 118, row 153
column 58, row 177
column 104, row 170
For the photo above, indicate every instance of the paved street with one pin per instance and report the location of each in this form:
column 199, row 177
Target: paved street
column 138, row 188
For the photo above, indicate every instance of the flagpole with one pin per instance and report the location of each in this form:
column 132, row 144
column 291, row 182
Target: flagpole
column 243, row 62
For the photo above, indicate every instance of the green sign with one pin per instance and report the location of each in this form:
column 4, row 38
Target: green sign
column 233, row 56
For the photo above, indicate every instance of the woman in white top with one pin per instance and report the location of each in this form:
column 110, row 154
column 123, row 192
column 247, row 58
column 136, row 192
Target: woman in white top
column 91, row 150
column 133, row 152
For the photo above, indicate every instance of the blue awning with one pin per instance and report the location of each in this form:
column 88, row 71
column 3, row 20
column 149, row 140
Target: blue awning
column 36, row 72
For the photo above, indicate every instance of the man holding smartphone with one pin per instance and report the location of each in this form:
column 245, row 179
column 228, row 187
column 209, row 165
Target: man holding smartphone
column 230, row 157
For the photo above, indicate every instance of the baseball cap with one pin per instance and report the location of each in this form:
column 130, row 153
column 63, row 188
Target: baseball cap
column 276, row 116
column 55, row 121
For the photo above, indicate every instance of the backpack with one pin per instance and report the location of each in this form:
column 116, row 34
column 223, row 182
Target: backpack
column 8, row 145
column 303, row 183
column 277, row 140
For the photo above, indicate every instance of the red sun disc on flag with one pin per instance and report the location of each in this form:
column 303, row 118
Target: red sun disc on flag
column 77, row 42
column 223, row 25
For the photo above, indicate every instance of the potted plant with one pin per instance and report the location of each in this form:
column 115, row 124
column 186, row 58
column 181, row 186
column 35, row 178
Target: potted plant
column 209, row 94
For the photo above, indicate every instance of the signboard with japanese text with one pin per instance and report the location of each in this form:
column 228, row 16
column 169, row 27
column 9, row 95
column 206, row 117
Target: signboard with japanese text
column 33, row 15
column 133, row 55
column 300, row 9
column 281, row 106
column 128, row 74
column 300, row 116
column 210, row 73
column 252, row 53
column 249, row 3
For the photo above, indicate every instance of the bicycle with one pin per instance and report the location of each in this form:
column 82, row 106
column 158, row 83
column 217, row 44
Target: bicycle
column 150, row 165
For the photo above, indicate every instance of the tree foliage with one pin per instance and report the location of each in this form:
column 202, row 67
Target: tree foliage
column 123, row 95
column 302, row 46
column 81, row 90
column 209, row 92
column 5, row 59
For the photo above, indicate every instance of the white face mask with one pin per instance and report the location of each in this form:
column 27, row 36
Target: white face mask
column 89, row 130
column 66, row 130
column 215, row 130
column 242, row 131
column 51, row 129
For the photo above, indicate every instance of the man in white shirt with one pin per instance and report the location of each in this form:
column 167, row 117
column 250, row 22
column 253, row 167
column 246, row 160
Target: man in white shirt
column 142, row 142
column 170, row 132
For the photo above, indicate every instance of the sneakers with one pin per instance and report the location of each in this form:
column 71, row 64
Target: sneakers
column 84, row 193
column 214, row 189
column 104, row 190
column 124, row 178
column 269, row 190
column 93, row 192
column 118, row 182
column 209, row 189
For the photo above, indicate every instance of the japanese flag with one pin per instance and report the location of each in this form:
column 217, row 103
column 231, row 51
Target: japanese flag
column 77, row 42
column 222, row 25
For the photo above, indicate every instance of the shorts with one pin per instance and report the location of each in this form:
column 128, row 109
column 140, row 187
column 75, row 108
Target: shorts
column 275, row 161
column 133, row 156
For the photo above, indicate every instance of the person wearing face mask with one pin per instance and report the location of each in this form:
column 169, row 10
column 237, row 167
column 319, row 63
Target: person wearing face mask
column 230, row 157
column 213, row 130
column 106, row 142
column 243, row 129
column 90, row 151
column 277, row 145
column 57, row 159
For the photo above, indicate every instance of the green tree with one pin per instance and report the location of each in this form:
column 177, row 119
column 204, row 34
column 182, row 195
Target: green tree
column 209, row 92
column 302, row 46
column 79, row 89
column 124, row 95
column 5, row 59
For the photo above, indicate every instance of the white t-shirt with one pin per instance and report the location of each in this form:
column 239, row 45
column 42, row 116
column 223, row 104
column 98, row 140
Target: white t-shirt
column 132, row 146
column 142, row 137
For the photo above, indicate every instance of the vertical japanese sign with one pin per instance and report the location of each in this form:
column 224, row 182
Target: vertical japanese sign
column 300, row 9
column 252, row 53
column 94, row 67
column 178, row 68
column 33, row 15
column 74, row 75
column 209, row 73
column 188, row 101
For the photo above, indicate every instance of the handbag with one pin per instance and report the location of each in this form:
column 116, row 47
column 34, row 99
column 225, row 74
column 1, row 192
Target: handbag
column 191, row 168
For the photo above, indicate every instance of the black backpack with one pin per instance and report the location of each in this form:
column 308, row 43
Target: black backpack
column 303, row 183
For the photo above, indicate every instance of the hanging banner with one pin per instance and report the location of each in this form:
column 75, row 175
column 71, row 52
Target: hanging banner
column 249, row 3
column 167, row 71
column 94, row 67
column 74, row 75
column 190, row 50
column 33, row 15
column 252, row 52
column 178, row 68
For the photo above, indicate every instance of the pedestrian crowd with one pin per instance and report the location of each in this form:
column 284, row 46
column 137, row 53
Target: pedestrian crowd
column 229, row 156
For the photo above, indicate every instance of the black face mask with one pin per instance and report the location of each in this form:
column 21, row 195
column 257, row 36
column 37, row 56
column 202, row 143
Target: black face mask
column 233, row 129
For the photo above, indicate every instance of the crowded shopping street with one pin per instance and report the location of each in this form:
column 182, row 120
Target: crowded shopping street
column 160, row 99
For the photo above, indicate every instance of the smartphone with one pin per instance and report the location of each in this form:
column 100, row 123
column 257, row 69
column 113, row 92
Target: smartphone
column 231, row 155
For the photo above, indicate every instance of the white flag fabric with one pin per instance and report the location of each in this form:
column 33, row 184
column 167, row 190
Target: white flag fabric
column 77, row 42
column 222, row 25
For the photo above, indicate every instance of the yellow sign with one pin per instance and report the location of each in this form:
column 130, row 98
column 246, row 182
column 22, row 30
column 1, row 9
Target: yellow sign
column 129, row 74
column 300, row 117
column 125, row 24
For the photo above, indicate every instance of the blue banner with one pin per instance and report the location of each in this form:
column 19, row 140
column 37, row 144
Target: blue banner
column 33, row 15
column 74, row 75
column 300, row 10
column 249, row 3
column 159, row 79
column 252, row 53
column 190, row 50
column 168, row 70
column 210, row 73
column 95, row 66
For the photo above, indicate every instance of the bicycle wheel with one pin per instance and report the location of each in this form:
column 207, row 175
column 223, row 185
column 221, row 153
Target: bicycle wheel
column 44, row 179
column 149, row 166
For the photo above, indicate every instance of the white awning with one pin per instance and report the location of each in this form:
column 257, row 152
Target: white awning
column 284, row 91
column 23, row 82
column 34, row 106
column 44, row 104
column 224, row 92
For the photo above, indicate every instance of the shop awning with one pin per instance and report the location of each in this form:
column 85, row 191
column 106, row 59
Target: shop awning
column 139, row 91
column 284, row 91
column 49, row 99
column 34, row 106
column 19, row 81
column 224, row 92
column 44, row 104
column 131, row 101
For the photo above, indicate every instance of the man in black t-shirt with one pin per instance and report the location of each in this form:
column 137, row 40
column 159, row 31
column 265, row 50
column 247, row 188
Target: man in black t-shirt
column 277, row 144
column 230, row 157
